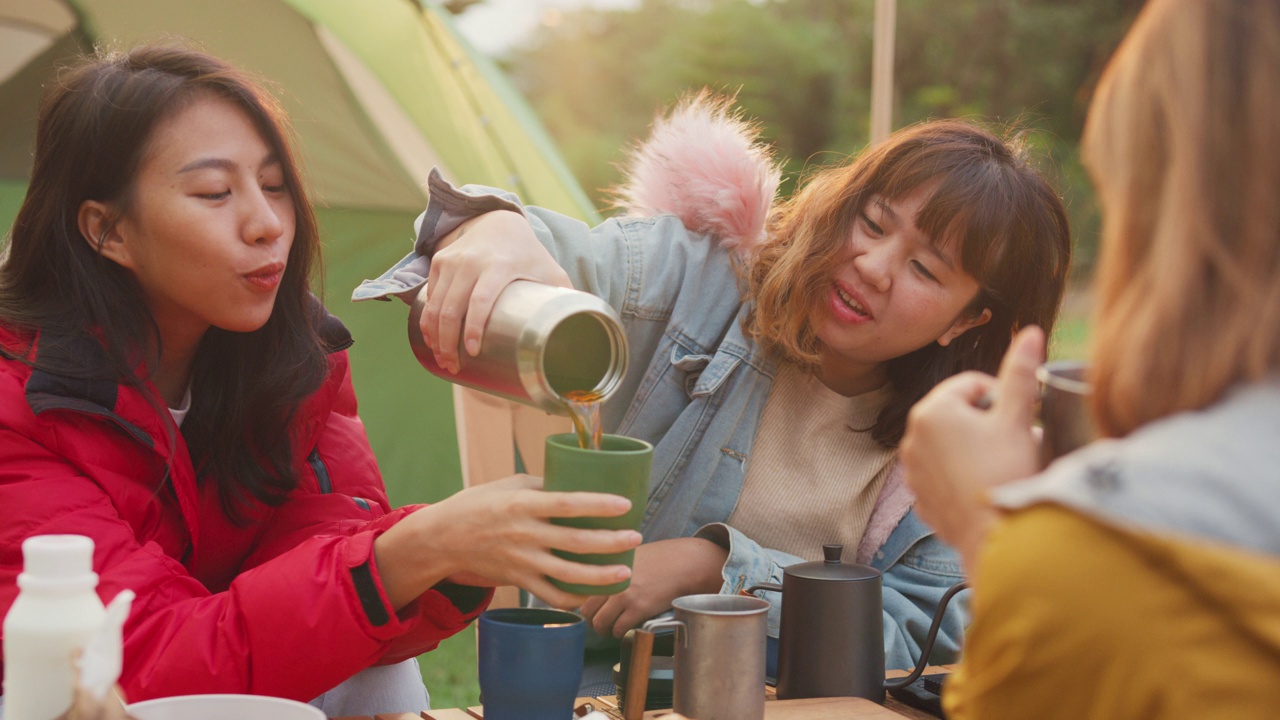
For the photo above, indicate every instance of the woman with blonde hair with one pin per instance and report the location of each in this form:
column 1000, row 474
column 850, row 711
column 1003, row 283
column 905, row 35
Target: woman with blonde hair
column 1140, row 575
column 775, row 350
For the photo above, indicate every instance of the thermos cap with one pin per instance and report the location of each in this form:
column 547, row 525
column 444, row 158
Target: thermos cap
column 56, row 560
column 831, row 568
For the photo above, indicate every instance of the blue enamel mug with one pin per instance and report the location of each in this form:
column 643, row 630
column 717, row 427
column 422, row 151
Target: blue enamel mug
column 530, row 663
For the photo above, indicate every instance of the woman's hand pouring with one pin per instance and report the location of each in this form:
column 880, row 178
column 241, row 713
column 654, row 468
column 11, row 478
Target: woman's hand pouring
column 470, row 268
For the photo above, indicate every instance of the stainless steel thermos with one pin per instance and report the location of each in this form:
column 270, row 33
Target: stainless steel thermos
column 540, row 343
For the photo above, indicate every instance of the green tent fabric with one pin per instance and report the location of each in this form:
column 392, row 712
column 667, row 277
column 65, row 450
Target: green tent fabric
column 378, row 92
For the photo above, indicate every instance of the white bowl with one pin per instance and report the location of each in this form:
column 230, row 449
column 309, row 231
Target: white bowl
column 223, row 707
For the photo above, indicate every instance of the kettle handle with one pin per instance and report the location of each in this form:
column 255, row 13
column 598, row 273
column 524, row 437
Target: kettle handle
column 928, row 641
column 775, row 587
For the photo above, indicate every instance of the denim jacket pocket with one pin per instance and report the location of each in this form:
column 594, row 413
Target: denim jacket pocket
column 691, row 364
column 703, row 374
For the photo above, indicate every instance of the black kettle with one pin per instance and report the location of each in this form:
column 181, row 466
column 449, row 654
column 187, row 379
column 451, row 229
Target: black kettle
column 831, row 638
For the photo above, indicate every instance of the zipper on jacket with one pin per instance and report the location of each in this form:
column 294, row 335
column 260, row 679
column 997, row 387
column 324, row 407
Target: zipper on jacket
column 322, row 472
column 326, row 482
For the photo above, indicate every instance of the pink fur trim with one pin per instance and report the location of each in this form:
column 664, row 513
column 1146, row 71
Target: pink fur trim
column 704, row 164
column 894, row 503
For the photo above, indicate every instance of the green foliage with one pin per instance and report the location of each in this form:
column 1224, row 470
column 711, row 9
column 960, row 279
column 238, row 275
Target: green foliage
column 803, row 69
column 1005, row 58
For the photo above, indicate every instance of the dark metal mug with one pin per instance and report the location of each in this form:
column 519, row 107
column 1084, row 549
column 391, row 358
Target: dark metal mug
column 1064, row 408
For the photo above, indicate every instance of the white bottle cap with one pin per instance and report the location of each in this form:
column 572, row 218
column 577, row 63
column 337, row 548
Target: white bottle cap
column 57, row 560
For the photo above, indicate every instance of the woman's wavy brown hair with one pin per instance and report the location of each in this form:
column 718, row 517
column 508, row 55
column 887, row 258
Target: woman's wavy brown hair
column 1183, row 143
column 1010, row 226
column 93, row 130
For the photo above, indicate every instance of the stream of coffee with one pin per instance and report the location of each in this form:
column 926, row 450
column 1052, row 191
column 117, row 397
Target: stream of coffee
column 584, row 410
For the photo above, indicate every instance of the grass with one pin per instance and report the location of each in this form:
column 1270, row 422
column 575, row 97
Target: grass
column 450, row 671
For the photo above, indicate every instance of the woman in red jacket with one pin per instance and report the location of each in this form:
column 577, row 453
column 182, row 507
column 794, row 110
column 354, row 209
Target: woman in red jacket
column 170, row 387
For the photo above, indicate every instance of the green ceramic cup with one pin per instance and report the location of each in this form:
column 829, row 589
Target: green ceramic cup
column 620, row 467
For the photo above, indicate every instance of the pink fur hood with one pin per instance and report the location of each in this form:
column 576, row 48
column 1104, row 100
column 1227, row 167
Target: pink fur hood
column 705, row 164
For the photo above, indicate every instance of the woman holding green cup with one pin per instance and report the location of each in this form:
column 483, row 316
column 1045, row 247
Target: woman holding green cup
column 620, row 466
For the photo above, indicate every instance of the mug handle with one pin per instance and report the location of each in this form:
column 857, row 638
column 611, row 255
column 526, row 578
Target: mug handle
column 637, row 645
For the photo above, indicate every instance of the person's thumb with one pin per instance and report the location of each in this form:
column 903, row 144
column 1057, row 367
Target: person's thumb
column 1016, row 385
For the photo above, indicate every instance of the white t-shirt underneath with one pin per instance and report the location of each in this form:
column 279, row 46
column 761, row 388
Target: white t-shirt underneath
column 180, row 413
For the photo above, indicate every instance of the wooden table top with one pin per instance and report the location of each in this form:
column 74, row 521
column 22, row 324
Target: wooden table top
column 846, row 708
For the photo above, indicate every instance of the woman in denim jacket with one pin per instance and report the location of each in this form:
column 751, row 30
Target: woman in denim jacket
column 881, row 277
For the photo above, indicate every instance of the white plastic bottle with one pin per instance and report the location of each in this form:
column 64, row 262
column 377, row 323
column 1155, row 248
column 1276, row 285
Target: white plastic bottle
column 56, row 612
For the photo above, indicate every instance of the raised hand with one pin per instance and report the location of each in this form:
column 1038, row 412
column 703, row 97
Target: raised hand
column 469, row 269
column 970, row 433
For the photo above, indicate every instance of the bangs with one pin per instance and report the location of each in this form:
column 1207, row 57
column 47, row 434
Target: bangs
column 983, row 193
column 973, row 209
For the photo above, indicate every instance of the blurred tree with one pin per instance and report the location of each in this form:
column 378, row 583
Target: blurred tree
column 1004, row 58
column 802, row 68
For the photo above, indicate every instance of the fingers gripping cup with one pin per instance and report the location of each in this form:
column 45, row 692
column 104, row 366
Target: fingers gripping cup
column 619, row 467
column 565, row 352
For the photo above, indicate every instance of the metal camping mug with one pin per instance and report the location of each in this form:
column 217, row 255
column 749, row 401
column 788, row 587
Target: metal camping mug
column 1064, row 408
column 719, row 658
column 540, row 343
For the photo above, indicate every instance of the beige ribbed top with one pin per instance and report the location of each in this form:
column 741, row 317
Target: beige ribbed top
column 814, row 472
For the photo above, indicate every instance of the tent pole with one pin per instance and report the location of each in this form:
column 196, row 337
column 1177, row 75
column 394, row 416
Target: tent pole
column 882, row 70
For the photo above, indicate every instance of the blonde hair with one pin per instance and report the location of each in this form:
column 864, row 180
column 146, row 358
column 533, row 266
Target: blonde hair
column 1183, row 142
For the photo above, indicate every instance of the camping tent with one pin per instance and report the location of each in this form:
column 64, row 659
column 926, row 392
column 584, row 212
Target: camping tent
column 378, row 91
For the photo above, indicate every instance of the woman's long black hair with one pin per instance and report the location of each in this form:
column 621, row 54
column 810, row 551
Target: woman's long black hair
column 94, row 127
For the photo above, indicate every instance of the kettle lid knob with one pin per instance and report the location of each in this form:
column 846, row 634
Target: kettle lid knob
column 830, row 567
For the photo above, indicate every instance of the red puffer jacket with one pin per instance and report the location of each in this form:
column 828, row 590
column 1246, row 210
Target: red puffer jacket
column 289, row 605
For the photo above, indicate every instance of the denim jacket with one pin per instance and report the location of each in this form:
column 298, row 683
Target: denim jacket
column 696, row 389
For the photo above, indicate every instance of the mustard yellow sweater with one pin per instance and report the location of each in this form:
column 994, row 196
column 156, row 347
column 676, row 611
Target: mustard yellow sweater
column 1074, row 618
